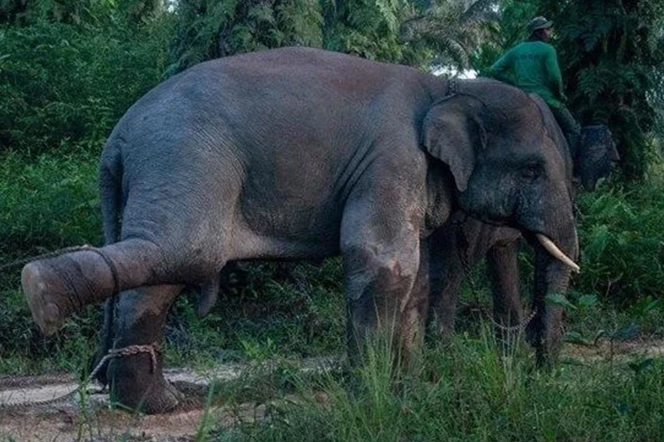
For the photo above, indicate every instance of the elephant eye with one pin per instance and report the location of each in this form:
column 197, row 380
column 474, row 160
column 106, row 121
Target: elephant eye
column 531, row 171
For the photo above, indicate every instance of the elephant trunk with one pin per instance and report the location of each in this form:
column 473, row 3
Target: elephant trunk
column 552, row 276
column 56, row 288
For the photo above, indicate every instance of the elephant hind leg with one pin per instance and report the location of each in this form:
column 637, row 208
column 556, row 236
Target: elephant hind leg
column 56, row 288
column 136, row 379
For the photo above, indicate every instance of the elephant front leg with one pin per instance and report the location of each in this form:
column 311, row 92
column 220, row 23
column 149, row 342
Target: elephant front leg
column 379, row 280
column 503, row 273
column 135, row 376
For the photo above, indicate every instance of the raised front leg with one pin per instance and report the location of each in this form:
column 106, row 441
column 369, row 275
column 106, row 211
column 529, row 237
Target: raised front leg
column 136, row 379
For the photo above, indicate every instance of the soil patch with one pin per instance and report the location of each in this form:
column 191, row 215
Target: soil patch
column 28, row 413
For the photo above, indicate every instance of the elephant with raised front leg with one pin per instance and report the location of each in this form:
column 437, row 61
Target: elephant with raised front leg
column 473, row 240
column 299, row 153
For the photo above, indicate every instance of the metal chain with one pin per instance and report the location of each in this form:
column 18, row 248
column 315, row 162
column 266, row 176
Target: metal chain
column 44, row 256
column 130, row 350
column 452, row 86
column 517, row 327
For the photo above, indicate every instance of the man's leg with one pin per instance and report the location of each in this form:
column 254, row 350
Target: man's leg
column 570, row 127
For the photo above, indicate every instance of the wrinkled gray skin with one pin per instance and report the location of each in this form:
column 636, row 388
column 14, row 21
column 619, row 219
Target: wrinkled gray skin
column 464, row 241
column 302, row 154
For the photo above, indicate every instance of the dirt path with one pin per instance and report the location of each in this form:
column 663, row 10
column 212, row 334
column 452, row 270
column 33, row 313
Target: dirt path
column 23, row 417
column 67, row 420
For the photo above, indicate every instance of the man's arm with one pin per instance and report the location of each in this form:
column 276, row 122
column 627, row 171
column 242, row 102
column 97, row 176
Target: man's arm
column 499, row 70
column 553, row 72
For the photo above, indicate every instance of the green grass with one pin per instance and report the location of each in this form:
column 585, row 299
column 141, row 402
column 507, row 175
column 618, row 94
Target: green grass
column 467, row 392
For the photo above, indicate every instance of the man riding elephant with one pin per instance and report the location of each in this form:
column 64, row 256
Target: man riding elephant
column 533, row 65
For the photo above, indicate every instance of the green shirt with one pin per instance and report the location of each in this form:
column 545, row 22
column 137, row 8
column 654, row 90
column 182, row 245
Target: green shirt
column 534, row 68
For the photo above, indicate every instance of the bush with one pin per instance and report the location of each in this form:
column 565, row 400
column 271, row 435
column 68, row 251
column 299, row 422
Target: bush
column 48, row 203
column 621, row 235
column 64, row 86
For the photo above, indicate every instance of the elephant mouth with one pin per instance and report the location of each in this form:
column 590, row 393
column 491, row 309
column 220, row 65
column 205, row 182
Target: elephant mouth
column 555, row 252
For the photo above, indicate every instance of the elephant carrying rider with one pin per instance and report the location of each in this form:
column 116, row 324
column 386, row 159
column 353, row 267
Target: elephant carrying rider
column 533, row 65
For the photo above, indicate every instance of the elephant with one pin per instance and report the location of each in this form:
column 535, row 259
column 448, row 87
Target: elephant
column 301, row 153
column 465, row 241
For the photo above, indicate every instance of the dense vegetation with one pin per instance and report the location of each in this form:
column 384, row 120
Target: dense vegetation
column 70, row 69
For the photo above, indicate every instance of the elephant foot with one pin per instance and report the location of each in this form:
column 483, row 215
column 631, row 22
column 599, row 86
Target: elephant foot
column 159, row 397
column 138, row 385
column 58, row 287
column 46, row 297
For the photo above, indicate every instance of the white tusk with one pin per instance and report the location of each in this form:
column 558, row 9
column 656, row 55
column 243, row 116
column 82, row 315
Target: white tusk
column 555, row 252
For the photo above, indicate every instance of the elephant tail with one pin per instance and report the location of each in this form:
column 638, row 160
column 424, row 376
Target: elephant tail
column 110, row 190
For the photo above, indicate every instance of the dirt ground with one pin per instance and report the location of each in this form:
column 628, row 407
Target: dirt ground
column 29, row 413
column 24, row 417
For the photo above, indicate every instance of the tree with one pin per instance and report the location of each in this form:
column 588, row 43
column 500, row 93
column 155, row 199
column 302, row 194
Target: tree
column 368, row 28
column 612, row 55
column 68, row 70
column 453, row 29
column 216, row 28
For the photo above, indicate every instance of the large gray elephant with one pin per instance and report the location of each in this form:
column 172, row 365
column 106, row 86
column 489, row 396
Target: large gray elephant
column 301, row 153
column 464, row 241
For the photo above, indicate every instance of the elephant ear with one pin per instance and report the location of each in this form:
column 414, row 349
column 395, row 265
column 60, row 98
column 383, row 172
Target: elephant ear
column 451, row 132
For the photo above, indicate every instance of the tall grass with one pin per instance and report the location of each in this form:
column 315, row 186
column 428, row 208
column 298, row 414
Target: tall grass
column 468, row 392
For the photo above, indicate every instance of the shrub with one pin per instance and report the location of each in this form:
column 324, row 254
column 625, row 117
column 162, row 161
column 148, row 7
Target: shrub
column 64, row 86
column 621, row 232
column 48, row 203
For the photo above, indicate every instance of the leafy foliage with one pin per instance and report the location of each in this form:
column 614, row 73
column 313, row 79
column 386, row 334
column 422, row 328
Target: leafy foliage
column 453, row 30
column 48, row 203
column 612, row 55
column 216, row 28
column 621, row 235
column 68, row 84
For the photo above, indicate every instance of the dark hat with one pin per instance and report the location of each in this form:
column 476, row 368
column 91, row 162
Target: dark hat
column 539, row 23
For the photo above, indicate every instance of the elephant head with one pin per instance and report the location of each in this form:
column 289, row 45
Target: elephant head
column 509, row 163
column 596, row 155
